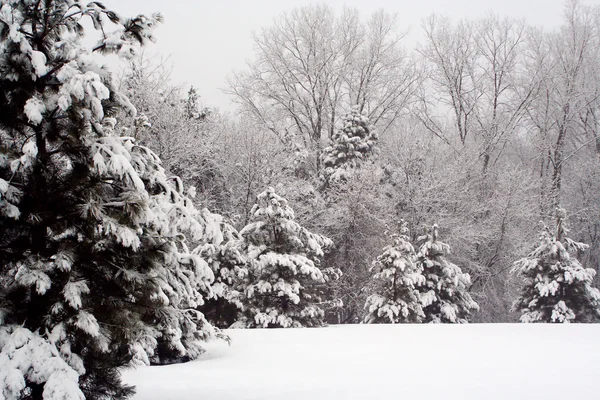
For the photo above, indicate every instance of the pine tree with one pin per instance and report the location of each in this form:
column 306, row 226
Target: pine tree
column 223, row 253
column 444, row 296
column 192, row 108
column 556, row 287
column 95, row 269
column 191, row 104
column 284, row 278
column 350, row 146
column 397, row 277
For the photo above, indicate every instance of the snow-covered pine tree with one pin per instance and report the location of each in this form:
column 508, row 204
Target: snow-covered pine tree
column 284, row 279
column 192, row 108
column 222, row 251
column 94, row 268
column 349, row 146
column 556, row 287
column 396, row 280
column 444, row 296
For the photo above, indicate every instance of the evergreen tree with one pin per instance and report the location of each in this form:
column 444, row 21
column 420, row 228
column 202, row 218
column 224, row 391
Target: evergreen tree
column 191, row 104
column 284, row 280
column 192, row 108
column 95, row 269
column 444, row 296
column 556, row 287
column 349, row 147
column 397, row 277
column 223, row 253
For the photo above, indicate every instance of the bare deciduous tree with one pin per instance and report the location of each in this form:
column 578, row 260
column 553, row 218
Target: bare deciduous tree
column 312, row 66
column 567, row 101
column 476, row 69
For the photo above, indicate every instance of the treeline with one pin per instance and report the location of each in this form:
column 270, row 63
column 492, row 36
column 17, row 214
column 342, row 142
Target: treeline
column 134, row 223
column 485, row 128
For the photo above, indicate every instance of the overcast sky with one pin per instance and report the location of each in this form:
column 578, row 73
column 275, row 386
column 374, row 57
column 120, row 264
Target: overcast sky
column 206, row 40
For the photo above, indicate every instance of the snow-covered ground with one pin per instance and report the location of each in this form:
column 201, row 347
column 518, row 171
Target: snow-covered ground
column 442, row 362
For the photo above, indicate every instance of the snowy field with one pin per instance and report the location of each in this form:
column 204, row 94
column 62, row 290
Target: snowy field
column 442, row 362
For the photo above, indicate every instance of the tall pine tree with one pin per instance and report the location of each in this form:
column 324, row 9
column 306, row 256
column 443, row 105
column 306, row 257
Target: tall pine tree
column 349, row 147
column 556, row 287
column 397, row 277
column 95, row 269
column 444, row 296
column 222, row 250
column 284, row 279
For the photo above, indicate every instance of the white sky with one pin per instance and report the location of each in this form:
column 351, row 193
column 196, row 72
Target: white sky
column 206, row 40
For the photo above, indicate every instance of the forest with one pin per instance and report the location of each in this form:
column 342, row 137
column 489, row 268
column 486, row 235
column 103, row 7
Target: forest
column 360, row 179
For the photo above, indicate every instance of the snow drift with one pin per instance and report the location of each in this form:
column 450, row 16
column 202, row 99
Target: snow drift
column 501, row 361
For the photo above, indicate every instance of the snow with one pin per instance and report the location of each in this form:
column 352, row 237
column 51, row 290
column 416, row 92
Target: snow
column 475, row 361
column 72, row 293
column 87, row 323
column 27, row 355
column 34, row 108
